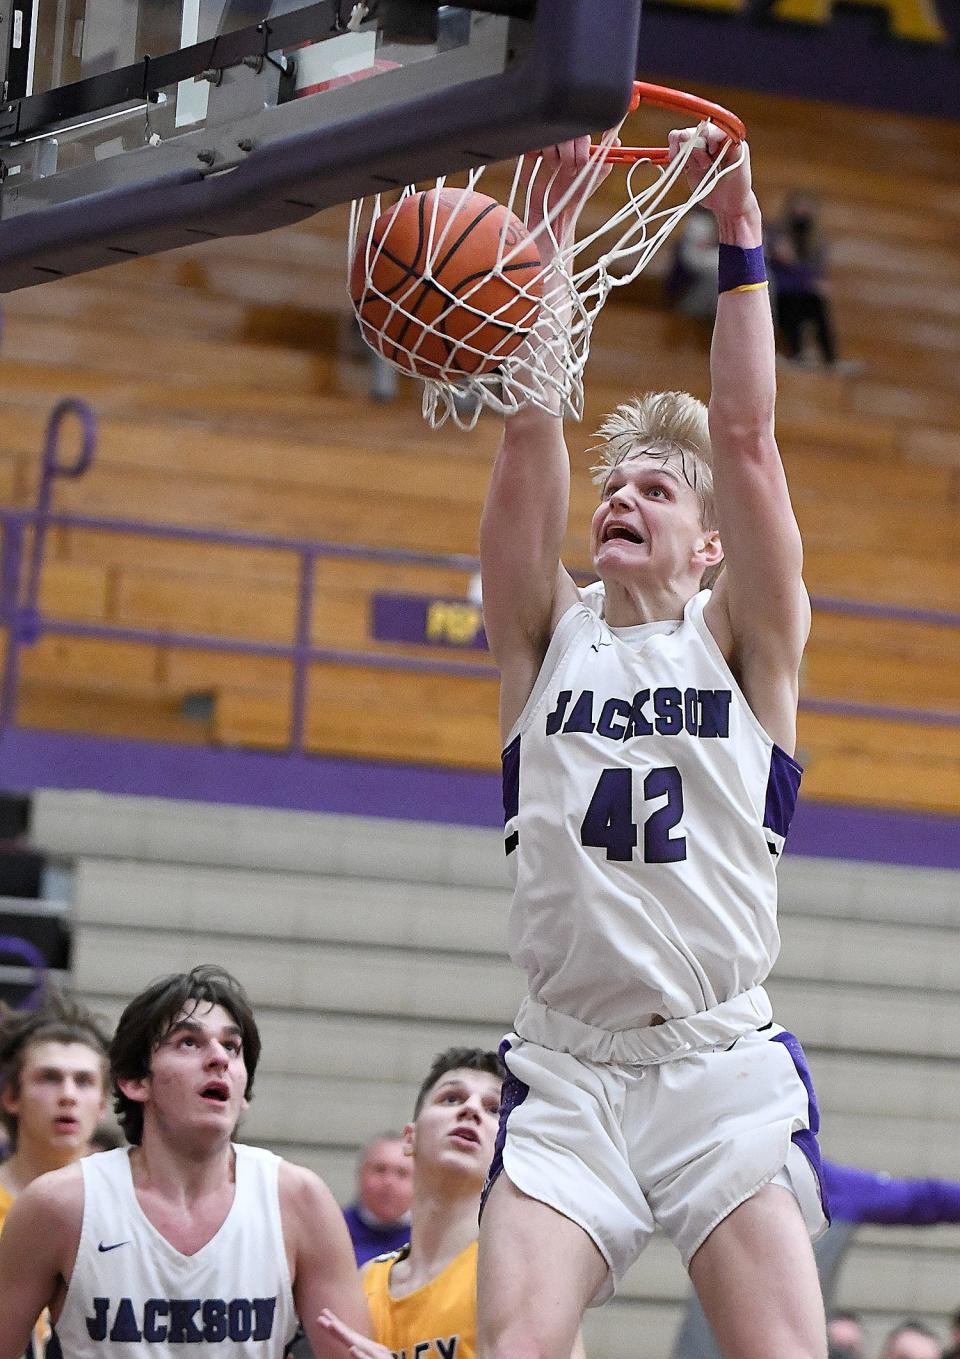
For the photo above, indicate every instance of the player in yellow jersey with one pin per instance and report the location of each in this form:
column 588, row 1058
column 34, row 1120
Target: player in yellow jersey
column 423, row 1298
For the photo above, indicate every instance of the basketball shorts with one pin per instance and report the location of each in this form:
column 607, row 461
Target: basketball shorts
column 622, row 1149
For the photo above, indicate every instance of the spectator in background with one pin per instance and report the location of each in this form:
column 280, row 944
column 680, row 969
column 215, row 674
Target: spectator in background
column 854, row 1197
column 844, row 1335
column 379, row 1218
column 797, row 254
column 911, row 1340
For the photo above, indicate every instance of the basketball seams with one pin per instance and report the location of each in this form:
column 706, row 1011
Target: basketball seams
column 437, row 326
column 471, row 226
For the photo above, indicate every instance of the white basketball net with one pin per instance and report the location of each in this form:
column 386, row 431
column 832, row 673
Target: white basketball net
column 547, row 367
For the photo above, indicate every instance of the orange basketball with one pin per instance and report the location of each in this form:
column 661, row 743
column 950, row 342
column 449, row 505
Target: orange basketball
column 453, row 284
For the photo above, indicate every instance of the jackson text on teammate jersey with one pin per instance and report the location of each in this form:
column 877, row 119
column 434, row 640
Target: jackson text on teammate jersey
column 665, row 712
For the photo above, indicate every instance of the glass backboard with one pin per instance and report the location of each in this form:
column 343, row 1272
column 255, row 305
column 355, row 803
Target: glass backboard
column 130, row 126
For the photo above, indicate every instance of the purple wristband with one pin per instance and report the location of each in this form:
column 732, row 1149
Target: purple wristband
column 739, row 268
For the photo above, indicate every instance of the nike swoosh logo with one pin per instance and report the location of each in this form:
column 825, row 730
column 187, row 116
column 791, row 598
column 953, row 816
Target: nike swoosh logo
column 115, row 1245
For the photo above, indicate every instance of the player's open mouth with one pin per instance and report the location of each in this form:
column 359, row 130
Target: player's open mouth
column 620, row 531
column 465, row 1135
column 66, row 1124
column 217, row 1092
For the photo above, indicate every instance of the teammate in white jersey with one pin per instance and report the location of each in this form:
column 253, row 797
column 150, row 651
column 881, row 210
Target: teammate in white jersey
column 184, row 1242
column 649, row 726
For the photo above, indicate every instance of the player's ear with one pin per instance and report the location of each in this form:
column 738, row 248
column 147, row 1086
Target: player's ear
column 409, row 1139
column 136, row 1088
column 10, row 1098
column 710, row 548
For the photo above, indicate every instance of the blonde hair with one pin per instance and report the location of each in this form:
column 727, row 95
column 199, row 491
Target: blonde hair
column 662, row 425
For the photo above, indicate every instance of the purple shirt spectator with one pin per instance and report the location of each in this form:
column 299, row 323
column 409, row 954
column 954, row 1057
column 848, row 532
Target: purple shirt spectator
column 864, row 1196
column 371, row 1238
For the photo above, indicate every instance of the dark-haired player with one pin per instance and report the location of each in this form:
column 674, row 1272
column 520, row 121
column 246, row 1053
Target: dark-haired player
column 423, row 1297
column 184, row 1239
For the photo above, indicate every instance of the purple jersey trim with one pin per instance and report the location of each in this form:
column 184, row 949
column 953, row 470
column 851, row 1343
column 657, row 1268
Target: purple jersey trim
column 510, row 764
column 512, row 1094
column 806, row 1138
column 783, row 784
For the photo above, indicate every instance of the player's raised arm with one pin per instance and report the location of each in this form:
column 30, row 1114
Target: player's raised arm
column 525, row 587
column 37, row 1248
column 760, row 602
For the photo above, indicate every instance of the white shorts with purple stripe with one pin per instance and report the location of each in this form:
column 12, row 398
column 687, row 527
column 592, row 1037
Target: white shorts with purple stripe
column 622, row 1149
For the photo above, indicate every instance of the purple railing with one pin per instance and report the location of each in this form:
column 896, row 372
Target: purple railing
column 21, row 563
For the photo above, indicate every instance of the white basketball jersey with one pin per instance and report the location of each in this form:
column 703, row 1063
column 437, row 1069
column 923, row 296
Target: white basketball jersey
column 130, row 1288
column 645, row 811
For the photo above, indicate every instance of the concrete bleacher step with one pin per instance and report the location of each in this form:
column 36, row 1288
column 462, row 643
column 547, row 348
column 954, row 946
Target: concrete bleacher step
column 429, row 917
column 328, row 978
column 325, row 977
column 121, row 842
column 294, row 906
column 185, row 831
column 833, row 1014
column 406, row 958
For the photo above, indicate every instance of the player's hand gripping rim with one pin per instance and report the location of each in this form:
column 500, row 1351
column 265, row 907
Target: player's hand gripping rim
column 732, row 196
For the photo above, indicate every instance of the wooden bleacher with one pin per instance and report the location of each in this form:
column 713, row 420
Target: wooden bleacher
column 228, row 397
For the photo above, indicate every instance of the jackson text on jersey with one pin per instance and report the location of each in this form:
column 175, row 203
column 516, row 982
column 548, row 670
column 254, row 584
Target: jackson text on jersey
column 182, row 1321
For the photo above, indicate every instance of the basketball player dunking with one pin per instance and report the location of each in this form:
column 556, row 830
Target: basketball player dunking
column 185, row 1239
column 648, row 726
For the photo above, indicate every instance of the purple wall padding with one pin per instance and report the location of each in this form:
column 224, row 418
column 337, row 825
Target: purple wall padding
column 37, row 759
column 854, row 58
